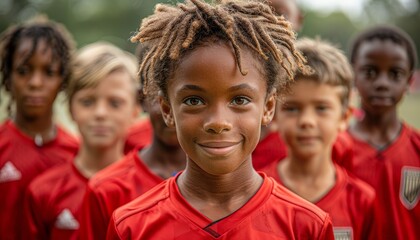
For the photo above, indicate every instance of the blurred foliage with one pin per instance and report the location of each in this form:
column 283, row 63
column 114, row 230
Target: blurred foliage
column 116, row 21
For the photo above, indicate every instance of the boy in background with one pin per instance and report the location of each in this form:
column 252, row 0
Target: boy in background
column 35, row 65
column 310, row 117
column 387, row 150
column 102, row 101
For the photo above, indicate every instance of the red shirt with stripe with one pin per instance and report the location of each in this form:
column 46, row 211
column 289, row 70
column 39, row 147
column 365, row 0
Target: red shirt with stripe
column 53, row 204
column 272, row 213
column 350, row 204
column 21, row 161
column 111, row 188
column 394, row 173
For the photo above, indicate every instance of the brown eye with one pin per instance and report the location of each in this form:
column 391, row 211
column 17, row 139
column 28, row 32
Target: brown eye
column 240, row 101
column 193, row 101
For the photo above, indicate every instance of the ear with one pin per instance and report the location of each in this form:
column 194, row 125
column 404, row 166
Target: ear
column 269, row 108
column 345, row 119
column 165, row 108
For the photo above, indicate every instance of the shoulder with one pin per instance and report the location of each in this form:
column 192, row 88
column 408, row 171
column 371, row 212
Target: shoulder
column 66, row 139
column 288, row 201
column 140, row 207
column 116, row 171
column 360, row 190
column 43, row 184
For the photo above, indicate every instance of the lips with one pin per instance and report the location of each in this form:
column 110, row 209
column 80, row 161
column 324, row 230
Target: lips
column 381, row 100
column 99, row 130
column 219, row 148
column 307, row 139
column 34, row 101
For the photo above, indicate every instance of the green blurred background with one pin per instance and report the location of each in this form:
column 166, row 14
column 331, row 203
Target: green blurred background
column 115, row 21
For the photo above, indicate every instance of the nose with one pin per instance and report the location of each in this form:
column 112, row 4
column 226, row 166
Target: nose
column 382, row 82
column 100, row 109
column 35, row 80
column 307, row 119
column 217, row 120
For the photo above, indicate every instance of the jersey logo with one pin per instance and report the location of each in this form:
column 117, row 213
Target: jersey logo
column 343, row 233
column 66, row 220
column 9, row 173
column 410, row 186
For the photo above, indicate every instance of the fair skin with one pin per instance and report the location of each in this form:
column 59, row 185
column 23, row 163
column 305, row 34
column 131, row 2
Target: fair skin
column 35, row 84
column 311, row 117
column 217, row 113
column 382, row 78
column 103, row 115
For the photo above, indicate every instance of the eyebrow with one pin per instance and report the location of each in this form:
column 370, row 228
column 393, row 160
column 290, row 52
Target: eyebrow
column 242, row 86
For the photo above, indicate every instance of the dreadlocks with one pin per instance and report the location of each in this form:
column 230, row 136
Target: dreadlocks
column 177, row 30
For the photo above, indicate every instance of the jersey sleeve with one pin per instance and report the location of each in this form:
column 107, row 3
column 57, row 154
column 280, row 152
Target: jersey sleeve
column 33, row 225
column 112, row 233
column 327, row 230
column 93, row 219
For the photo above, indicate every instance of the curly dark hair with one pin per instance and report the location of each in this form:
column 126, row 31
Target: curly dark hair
column 40, row 28
column 175, row 31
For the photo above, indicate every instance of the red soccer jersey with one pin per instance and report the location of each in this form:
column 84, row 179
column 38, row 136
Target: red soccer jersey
column 139, row 135
column 394, row 173
column 53, row 202
column 350, row 204
column 270, row 149
column 272, row 213
column 20, row 161
column 111, row 188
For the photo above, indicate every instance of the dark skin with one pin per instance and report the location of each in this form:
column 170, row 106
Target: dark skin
column 35, row 84
column 382, row 78
column 218, row 112
column 164, row 156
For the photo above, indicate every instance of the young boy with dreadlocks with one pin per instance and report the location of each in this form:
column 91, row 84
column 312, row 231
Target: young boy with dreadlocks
column 217, row 68
column 34, row 65
column 387, row 150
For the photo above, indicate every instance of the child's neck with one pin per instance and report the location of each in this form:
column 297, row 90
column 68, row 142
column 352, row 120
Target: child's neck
column 309, row 178
column 89, row 160
column 378, row 130
column 165, row 161
column 217, row 197
column 42, row 127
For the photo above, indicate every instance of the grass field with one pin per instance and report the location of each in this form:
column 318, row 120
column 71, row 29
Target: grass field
column 409, row 110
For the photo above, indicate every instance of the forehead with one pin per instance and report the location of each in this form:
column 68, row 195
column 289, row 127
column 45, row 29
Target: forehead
column 26, row 49
column 382, row 51
column 309, row 90
column 216, row 63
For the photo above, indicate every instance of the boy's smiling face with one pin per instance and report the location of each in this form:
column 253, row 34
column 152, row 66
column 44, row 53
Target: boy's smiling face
column 382, row 74
column 216, row 110
column 310, row 118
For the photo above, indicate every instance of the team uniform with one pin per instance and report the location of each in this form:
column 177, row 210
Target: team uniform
column 268, row 150
column 139, row 135
column 350, row 204
column 53, row 203
column 111, row 188
column 394, row 173
column 272, row 213
column 20, row 161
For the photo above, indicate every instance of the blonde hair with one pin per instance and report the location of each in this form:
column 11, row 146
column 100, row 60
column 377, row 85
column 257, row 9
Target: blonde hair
column 328, row 65
column 95, row 61
column 175, row 31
